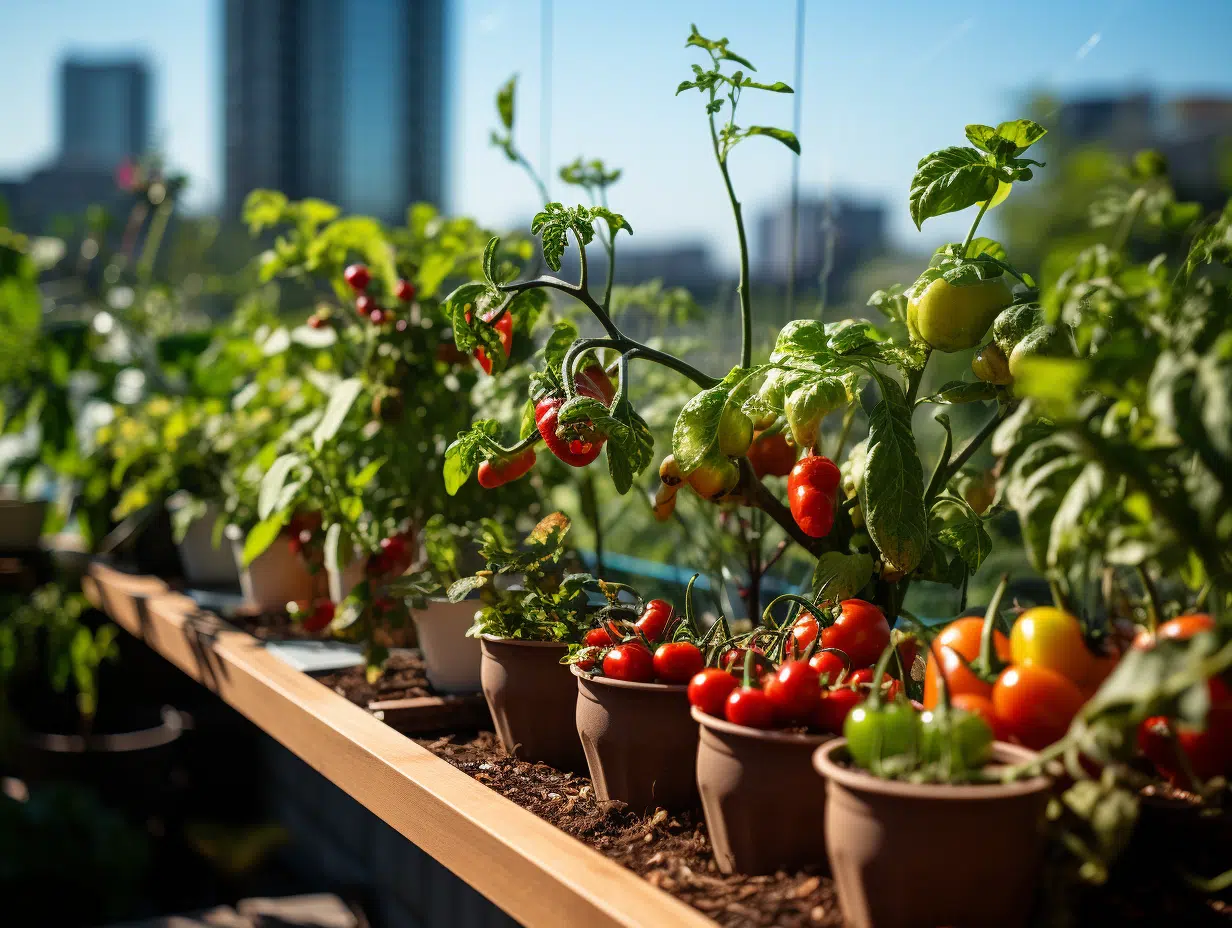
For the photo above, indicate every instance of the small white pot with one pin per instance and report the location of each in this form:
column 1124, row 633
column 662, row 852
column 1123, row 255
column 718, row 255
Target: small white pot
column 204, row 564
column 277, row 576
column 21, row 523
column 451, row 659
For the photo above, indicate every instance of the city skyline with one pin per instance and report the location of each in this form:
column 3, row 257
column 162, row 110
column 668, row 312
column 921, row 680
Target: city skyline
column 906, row 82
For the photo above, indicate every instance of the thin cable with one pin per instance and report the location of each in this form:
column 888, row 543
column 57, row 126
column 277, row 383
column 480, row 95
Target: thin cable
column 798, row 86
column 545, row 92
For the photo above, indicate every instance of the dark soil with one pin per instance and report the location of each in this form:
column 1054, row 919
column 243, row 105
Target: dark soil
column 671, row 851
column 270, row 626
column 404, row 678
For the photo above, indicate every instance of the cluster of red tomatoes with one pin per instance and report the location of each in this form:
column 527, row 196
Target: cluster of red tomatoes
column 817, row 693
column 1207, row 750
column 626, row 657
column 358, row 277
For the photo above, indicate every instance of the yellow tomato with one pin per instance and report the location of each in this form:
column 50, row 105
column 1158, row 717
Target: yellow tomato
column 1049, row 637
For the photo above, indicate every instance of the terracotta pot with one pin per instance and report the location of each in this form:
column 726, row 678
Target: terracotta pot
column 640, row 742
column 21, row 523
column 531, row 696
column 916, row 854
column 275, row 578
column 451, row 659
column 764, row 807
column 204, row 564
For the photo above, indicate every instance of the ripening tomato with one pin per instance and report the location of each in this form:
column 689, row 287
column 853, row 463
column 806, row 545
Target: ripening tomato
column 834, row 706
column 1049, row 637
column 1034, row 705
column 861, row 631
column 709, row 689
column 504, row 330
column 771, row 454
column 1182, row 628
column 794, row 691
column 320, row 617
column 655, row 619
column 750, row 706
column 1207, row 749
column 677, row 662
column 960, row 638
column 631, row 662
column 599, row 638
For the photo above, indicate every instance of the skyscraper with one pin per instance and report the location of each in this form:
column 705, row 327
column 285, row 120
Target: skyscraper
column 104, row 112
column 337, row 99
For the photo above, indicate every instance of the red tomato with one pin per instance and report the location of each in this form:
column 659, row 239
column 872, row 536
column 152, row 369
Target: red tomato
column 709, row 690
column 1182, row 628
column 794, row 691
column 1208, row 749
column 321, row 616
column 834, row 706
column 827, row 663
column 960, row 637
column 771, row 454
column 861, row 631
column 803, row 632
column 655, row 618
column 677, row 662
column 750, row 706
column 586, row 663
column 908, row 648
column 630, row 661
column 599, row 638
column 405, row 291
column 504, row 329
column 1034, row 705
column 357, row 277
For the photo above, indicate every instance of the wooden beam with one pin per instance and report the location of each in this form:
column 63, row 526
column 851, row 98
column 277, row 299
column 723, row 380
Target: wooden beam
column 532, row 870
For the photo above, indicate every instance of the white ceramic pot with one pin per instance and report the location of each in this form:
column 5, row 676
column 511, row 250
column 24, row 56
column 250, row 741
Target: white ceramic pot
column 204, row 564
column 451, row 659
column 276, row 577
column 21, row 523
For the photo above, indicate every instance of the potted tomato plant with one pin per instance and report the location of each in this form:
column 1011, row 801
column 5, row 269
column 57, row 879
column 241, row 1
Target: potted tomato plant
column 524, row 627
column 452, row 658
column 633, row 670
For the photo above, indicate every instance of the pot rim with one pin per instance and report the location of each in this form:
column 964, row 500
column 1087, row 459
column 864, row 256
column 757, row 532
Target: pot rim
column 757, row 734
column 862, row 781
column 523, row 642
column 17, row 502
column 629, row 684
column 169, row 729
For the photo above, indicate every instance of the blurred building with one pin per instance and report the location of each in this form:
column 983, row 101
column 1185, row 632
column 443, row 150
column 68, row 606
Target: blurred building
column 1194, row 133
column 837, row 233
column 338, row 99
column 105, row 117
column 104, row 112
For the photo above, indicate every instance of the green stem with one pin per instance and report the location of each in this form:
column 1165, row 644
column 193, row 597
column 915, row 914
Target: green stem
column 942, row 476
column 975, row 225
column 914, row 378
column 1153, row 611
column 746, row 303
column 1126, row 226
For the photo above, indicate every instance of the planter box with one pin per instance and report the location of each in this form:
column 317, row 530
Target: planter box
column 532, row 870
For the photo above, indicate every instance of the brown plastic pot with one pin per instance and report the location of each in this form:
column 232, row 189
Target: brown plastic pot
column 640, row 742
column 764, row 807
column 531, row 696
column 918, row 855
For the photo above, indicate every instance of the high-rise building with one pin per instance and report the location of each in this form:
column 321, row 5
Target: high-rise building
column 833, row 236
column 338, row 99
column 104, row 112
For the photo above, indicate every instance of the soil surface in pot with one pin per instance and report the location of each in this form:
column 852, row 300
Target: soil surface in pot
column 403, row 678
column 270, row 626
column 671, row 852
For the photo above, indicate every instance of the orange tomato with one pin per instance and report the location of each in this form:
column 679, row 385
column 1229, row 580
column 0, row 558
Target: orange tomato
column 1034, row 705
column 960, row 637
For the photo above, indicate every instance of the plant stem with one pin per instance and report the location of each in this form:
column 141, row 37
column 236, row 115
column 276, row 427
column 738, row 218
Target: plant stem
column 746, row 302
column 1126, row 226
column 1153, row 612
column 975, row 225
column 942, row 476
column 914, row 378
column 761, row 498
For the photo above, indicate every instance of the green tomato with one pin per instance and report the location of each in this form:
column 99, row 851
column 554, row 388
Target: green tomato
column 1046, row 341
column 735, row 432
column 968, row 739
column 806, row 406
column 1009, row 328
column 875, row 734
column 950, row 318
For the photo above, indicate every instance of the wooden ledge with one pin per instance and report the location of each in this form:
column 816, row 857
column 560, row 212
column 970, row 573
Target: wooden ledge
column 532, row 870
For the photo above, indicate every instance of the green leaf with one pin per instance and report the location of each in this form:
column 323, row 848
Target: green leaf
column 504, row 101
column 776, row 87
column 358, row 482
column 564, row 334
column 696, row 432
column 467, row 450
column 340, row 403
column 841, row 576
column 263, row 534
column 950, row 180
column 554, row 222
column 959, row 391
column 460, row 589
column 1022, row 133
column 785, row 136
column 630, row 447
column 489, row 256
column 892, row 494
column 275, row 494
column 333, row 567
column 961, row 529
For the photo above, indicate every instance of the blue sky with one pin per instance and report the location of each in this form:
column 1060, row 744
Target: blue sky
column 884, row 83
